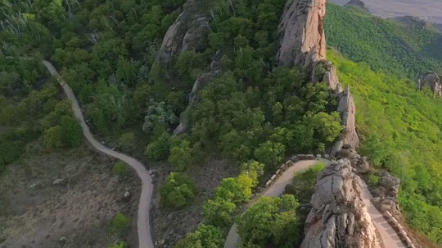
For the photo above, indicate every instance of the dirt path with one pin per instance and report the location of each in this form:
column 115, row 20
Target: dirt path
column 389, row 236
column 143, row 222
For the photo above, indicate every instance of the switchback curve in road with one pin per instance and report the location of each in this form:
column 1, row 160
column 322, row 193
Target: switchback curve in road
column 388, row 235
column 143, row 221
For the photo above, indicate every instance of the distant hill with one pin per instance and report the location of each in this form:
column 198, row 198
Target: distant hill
column 405, row 48
column 425, row 9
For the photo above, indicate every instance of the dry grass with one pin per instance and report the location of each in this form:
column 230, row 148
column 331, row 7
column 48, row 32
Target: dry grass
column 35, row 212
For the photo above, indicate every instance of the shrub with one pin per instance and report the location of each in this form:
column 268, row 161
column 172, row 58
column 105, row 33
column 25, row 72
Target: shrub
column 120, row 223
column 206, row 236
column 178, row 191
column 159, row 149
column 120, row 244
column 127, row 140
column 180, row 155
column 120, row 168
column 373, row 180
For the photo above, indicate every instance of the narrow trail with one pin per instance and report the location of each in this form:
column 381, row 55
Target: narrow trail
column 143, row 221
column 388, row 235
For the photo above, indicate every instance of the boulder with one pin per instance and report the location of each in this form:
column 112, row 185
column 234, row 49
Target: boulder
column 339, row 217
column 302, row 33
column 431, row 80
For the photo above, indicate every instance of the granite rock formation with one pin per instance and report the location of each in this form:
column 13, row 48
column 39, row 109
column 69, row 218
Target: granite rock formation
column 303, row 43
column 386, row 194
column 339, row 217
column 189, row 31
column 302, row 33
column 431, row 80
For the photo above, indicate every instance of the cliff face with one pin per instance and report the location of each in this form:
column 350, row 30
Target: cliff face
column 339, row 217
column 302, row 33
column 303, row 43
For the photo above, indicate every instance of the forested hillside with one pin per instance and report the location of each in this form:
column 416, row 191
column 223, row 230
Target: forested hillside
column 404, row 49
column 251, row 114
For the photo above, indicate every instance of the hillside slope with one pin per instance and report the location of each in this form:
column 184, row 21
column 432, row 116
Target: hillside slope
column 401, row 132
column 405, row 49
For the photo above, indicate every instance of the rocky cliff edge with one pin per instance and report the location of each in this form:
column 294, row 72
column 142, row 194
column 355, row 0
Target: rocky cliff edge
column 339, row 217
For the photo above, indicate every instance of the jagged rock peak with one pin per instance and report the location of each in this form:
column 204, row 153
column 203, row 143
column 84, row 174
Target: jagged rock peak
column 302, row 33
column 339, row 217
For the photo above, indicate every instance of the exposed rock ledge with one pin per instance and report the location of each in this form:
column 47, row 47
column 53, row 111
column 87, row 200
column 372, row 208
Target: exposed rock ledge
column 302, row 33
column 339, row 217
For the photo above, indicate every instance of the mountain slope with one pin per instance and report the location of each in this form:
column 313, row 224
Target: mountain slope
column 405, row 48
column 401, row 132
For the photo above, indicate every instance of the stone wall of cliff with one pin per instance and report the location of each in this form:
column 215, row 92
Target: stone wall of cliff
column 302, row 33
column 339, row 217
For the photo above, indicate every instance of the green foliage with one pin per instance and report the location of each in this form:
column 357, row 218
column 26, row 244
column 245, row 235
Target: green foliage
column 269, row 153
column 206, row 236
column 238, row 189
column 120, row 223
column 402, row 136
column 304, row 183
column 120, row 168
column 158, row 114
column 127, row 140
column 178, row 191
column 120, row 244
column 270, row 221
column 159, row 148
column 219, row 212
column 401, row 49
column 373, row 180
column 254, row 170
column 180, row 155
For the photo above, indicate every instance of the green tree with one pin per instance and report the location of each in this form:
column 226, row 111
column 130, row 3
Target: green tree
column 254, row 170
column 159, row 148
column 206, row 236
column 270, row 221
column 219, row 212
column 178, row 191
column 269, row 153
column 180, row 155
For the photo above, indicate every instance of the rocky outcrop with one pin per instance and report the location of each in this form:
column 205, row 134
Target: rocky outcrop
column 339, row 217
column 189, row 31
column 303, row 43
column 359, row 164
column 302, row 33
column 431, row 80
column 201, row 82
column 386, row 194
column 325, row 72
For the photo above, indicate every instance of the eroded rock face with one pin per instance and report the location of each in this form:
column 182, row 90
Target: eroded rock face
column 302, row 33
column 189, row 31
column 432, row 80
column 347, row 109
column 386, row 194
column 339, row 217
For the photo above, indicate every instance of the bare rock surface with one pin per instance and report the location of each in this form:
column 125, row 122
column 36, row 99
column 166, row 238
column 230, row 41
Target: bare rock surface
column 302, row 33
column 431, row 80
column 189, row 31
column 339, row 217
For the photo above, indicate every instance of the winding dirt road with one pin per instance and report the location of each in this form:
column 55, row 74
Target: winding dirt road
column 389, row 236
column 143, row 222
